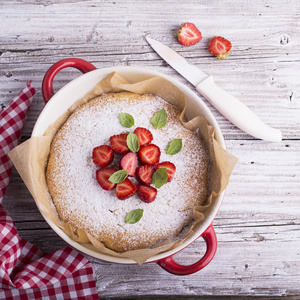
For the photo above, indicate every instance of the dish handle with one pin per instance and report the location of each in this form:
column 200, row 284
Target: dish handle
column 78, row 63
column 171, row 266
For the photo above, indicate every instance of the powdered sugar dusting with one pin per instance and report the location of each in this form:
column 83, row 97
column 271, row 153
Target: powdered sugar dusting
column 79, row 198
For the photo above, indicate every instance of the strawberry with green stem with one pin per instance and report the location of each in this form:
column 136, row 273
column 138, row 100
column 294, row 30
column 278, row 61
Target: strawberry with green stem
column 219, row 47
column 188, row 34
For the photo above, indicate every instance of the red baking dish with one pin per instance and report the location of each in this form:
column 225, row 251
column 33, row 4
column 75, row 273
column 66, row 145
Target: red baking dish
column 58, row 103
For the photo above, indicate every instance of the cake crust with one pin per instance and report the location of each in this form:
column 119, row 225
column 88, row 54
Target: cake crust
column 80, row 201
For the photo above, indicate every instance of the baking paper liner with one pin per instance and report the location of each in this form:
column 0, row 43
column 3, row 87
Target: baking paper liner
column 30, row 159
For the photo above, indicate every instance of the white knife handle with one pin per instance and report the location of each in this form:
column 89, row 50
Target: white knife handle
column 236, row 112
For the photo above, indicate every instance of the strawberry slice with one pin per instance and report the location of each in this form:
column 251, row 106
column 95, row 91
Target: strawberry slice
column 147, row 193
column 144, row 135
column 130, row 163
column 170, row 168
column 188, row 34
column 219, row 47
column 149, row 154
column 102, row 176
column 125, row 189
column 118, row 143
column 103, row 155
column 144, row 174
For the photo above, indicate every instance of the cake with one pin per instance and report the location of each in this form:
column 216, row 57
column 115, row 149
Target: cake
column 81, row 202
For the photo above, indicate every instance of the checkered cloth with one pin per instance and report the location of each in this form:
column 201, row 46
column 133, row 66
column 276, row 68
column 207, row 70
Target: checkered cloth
column 25, row 271
column 12, row 120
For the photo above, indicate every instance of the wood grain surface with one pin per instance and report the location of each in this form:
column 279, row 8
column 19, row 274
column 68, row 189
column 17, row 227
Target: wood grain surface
column 258, row 225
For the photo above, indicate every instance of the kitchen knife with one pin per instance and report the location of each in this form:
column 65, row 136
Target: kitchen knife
column 229, row 106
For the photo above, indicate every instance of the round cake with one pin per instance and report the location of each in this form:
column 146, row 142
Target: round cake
column 84, row 204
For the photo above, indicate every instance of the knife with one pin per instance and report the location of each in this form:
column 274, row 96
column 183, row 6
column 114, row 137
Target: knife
column 229, row 106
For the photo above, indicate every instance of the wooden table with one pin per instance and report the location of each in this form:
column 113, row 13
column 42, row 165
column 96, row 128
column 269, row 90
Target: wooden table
column 258, row 226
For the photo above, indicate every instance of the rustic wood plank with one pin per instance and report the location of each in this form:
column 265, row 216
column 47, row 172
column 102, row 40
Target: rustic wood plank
column 266, row 60
column 258, row 223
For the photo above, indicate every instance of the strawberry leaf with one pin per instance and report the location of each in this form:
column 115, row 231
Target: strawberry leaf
column 133, row 142
column 134, row 216
column 159, row 120
column 174, row 146
column 118, row 176
column 160, row 177
column 126, row 120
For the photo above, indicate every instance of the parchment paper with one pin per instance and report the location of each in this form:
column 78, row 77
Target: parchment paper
column 30, row 159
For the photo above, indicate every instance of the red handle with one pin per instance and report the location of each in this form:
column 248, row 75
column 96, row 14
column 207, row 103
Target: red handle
column 173, row 267
column 78, row 63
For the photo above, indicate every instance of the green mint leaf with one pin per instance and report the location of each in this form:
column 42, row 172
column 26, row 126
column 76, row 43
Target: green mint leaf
column 159, row 120
column 133, row 142
column 174, row 146
column 134, row 216
column 126, row 120
column 118, row 176
column 160, row 177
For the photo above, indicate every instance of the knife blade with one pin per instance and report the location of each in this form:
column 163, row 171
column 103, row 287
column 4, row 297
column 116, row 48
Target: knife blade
column 228, row 105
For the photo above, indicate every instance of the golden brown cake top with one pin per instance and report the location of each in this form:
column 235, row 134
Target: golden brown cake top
column 80, row 200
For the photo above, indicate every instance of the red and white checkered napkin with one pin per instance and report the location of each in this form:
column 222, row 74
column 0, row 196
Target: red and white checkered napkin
column 12, row 120
column 25, row 271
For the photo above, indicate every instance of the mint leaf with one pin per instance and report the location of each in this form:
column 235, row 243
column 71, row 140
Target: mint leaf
column 134, row 216
column 174, row 146
column 160, row 177
column 126, row 120
column 118, row 176
column 159, row 120
column 133, row 142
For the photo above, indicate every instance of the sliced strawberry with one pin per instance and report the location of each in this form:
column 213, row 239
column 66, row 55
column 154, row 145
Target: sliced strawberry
column 102, row 176
column 125, row 189
column 170, row 168
column 144, row 174
column 144, row 135
column 219, row 47
column 188, row 34
column 149, row 154
column 130, row 163
column 147, row 193
column 118, row 143
column 103, row 155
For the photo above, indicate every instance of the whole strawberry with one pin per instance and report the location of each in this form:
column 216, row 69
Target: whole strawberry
column 219, row 47
column 188, row 34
